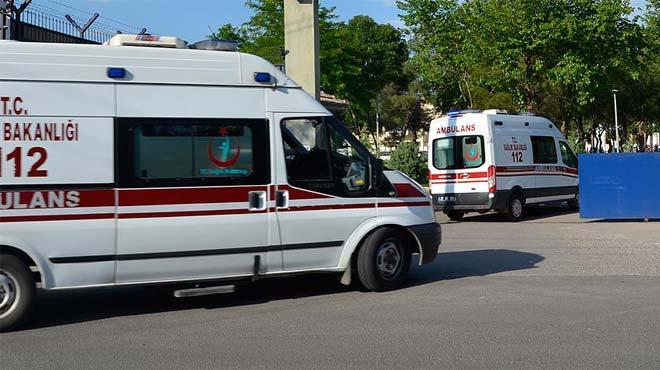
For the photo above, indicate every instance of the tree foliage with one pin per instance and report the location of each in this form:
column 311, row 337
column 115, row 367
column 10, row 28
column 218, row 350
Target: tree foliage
column 359, row 58
column 559, row 58
column 407, row 159
column 403, row 112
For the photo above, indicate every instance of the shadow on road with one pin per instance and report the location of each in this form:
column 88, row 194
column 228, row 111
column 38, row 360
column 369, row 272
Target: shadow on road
column 531, row 214
column 457, row 265
column 70, row 307
column 625, row 220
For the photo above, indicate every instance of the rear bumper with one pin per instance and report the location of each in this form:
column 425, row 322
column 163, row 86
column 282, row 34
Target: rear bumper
column 471, row 201
column 430, row 238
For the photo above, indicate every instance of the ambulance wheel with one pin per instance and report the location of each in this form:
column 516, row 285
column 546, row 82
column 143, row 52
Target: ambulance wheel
column 574, row 204
column 515, row 211
column 17, row 291
column 384, row 260
column 455, row 215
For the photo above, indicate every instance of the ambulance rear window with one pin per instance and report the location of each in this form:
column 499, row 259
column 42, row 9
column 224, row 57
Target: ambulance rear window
column 458, row 152
column 444, row 151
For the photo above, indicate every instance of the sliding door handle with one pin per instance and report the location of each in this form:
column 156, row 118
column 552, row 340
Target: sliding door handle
column 282, row 199
column 257, row 200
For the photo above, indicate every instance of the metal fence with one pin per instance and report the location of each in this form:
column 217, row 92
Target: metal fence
column 620, row 186
column 38, row 27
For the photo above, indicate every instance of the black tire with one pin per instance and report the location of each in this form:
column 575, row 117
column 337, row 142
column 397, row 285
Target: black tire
column 455, row 215
column 574, row 204
column 515, row 210
column 376, row 266
column 16, row 280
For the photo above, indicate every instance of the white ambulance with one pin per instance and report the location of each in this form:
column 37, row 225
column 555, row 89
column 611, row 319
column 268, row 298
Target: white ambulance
column 171, row 164
column 490, row 160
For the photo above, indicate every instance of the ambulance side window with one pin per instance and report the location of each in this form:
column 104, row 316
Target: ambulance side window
column 545, row 151
column 567, row 155
column 306, row 150
column 189, row 152
column 321, row 158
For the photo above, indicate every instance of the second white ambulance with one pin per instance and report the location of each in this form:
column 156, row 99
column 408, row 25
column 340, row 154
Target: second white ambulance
column 490, row 160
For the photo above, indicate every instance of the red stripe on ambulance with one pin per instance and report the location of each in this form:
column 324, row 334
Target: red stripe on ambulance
column 13, row 200
column 154, row 197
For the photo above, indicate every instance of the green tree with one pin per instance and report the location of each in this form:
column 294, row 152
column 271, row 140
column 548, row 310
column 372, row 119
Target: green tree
column 402, row 112
column 438, row 41
column 407, row 159
column 371, row 57
column 228, row 32
column 358, row 58
column 553, row 57
column 262, row 34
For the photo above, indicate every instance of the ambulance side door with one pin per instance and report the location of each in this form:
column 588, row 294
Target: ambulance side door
column 570, row 169
column 194, row 184
column 318, row 196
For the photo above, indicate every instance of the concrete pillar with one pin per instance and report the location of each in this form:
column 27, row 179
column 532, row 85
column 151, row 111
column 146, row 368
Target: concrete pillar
column 301, row 39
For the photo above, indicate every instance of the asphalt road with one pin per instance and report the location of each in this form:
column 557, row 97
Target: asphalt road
column 552, row 292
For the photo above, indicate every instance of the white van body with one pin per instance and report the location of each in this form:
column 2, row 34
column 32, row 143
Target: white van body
column 138, row 165
column 479, row 160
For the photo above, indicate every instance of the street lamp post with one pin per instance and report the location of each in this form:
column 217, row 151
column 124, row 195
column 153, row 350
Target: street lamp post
column 378, row 127
column 616, row 121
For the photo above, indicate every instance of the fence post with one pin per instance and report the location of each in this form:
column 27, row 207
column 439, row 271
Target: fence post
column 6, row 10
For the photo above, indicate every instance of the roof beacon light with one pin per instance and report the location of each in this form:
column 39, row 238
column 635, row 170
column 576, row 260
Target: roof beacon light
column 146, row 40
column 496, row 111
column 459, row 112
column 215, row 45
column 454, row 113
column 262, row 77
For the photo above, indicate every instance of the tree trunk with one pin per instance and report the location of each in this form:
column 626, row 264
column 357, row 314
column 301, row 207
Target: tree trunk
column 580, row 127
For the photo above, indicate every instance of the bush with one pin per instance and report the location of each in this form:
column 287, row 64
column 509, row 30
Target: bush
column 407, row 159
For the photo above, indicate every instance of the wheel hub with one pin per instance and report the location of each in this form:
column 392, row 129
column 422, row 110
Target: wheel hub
column 517, row 207
column 388, row 260
column 8, row 293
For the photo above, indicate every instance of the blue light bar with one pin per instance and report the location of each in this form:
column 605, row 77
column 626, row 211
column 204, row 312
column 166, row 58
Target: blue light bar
column 116, row 72
column 262, row 77
column 459, row 112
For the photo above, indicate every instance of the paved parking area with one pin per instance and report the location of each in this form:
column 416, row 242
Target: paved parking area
column 551, row 292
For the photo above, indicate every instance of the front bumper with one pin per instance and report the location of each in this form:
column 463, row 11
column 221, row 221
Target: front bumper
column 429, row 237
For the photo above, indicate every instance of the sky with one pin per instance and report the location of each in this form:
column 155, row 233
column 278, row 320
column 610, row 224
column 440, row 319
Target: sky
column 193, row 20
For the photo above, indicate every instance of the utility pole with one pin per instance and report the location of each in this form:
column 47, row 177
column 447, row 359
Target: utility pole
column 6, row 9
column 301, row 41
column 616, row 122
column 378, row 127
